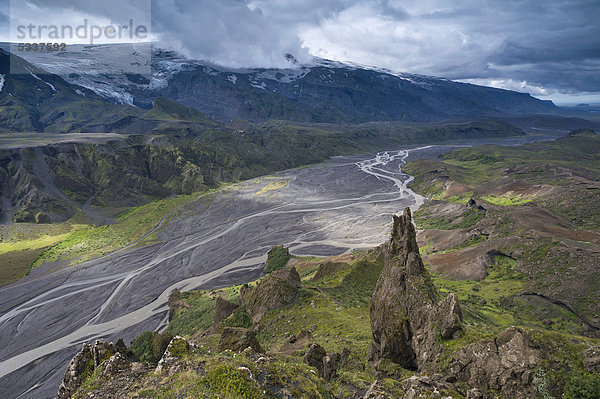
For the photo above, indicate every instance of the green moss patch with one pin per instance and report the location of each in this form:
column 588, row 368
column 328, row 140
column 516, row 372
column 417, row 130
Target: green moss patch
column 277, row 258
column 192, row 312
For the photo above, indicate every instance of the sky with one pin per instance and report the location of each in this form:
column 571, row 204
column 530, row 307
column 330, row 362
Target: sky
column 550, row 48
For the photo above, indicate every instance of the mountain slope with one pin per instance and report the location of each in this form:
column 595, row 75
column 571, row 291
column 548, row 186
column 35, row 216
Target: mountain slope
column 535, row 206
column 32, row 99
column 341, row 94
column 323, row 91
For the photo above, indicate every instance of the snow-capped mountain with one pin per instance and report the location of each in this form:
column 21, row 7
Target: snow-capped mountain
column 322, row 91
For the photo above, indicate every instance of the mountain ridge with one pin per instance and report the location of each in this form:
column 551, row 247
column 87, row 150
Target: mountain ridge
column 323, row 91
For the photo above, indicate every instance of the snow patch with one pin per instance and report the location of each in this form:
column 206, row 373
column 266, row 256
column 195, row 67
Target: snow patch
column 41, row 80
column 1, row 82
column 232, row 78
column 51, row 86
column 255, row 84
column 108, row 91
column 283, row 75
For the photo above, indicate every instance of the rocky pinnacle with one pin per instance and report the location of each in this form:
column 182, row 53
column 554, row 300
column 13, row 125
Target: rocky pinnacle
column 407, row 317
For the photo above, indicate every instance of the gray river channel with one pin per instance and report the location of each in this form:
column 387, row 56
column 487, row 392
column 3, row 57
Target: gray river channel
column 218, row 239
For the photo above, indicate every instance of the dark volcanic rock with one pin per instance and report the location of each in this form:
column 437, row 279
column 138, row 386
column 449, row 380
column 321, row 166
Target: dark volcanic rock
column 327, row 365
column 277, row 289
column 405, row 313
column 331, row 364
column 474, row 205
column 238, row 339
column 223, row 309
column 314, row 357
column 450, row 316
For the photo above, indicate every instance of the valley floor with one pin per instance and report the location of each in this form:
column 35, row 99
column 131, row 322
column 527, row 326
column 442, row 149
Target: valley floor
column 221, row 237
column 513, row 231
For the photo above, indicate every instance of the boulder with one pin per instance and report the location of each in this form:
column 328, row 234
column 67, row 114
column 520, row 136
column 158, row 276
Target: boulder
column 176, row 349
column 304, row 334
column 591, row 359
column 406, row 313
column 506, row 363
column 475, row 205
column 326, row 365
column 422, row 386
column 331, row 364
column 277, row 289
column 314, row 357
column 223, row 309
column 238, row 339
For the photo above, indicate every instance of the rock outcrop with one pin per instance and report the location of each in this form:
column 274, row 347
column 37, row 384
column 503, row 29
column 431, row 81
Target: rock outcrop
column 423, row 386
column 406, row 313
column 238, row 339
column 277, row 258
column 277, row 289
column 223, row 309
column 88, row 359
column 591, row 359
column 326, row 365
column 506, row 363
column 314, row 356
column 178, row 347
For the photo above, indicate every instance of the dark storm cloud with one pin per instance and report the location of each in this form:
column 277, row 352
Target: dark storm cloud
column 529, row 45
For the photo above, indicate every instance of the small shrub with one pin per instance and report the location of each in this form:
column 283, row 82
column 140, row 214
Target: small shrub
column 149, row 346
column 239, row 318
column 197, row 314
column 541, row 384
column 583, row 385
column 231, row 383
column 178, row 347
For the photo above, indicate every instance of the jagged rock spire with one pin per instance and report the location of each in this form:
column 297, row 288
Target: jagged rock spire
column 404, row 237
column 405, row 313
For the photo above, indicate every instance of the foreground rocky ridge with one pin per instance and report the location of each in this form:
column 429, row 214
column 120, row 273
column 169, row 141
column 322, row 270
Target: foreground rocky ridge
column 287, row 336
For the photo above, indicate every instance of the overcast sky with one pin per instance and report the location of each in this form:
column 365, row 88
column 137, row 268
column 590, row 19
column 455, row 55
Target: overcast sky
column 550, row 49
